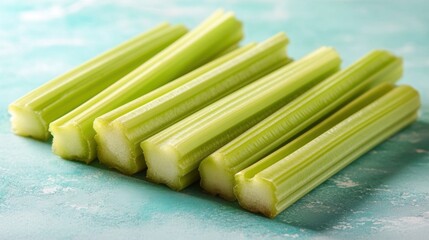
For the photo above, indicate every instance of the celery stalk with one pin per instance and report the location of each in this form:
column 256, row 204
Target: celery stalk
column 74, row 133
column 121, row 131
column 346, row 111
column 269, row 189
column 32, row 113
column 113, row 145
column 217, row 177
column 218, row 170
column 173, row 155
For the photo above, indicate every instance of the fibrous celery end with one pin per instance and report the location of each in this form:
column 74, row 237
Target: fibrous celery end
column 115, row 150
column 162, row 164
column 216, row 179
column 69, row 136
column 256, row 195
column 27, row 123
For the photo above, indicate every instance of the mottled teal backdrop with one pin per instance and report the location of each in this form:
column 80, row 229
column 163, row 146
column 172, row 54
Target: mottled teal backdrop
column 383, row 195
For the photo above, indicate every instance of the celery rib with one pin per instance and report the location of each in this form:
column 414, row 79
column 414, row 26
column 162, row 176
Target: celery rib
column 32, row 113
column 320, row 101
column 106, row 131
column 136, row 124
column 124, row 109
column 402, row 101
column 217, row 178
column 173, row 155
column 340, row 115
column 316, row 181
column 74, row 133
column 269, row 189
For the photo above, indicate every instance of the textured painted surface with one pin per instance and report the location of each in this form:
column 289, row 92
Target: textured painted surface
column 384, row 194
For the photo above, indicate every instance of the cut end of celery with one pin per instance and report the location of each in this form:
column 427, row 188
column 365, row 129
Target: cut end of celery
column 67, row 143
column 162, row 164
column 256, row 195
column 216, row 179
column 115, row 150
column 27, row 123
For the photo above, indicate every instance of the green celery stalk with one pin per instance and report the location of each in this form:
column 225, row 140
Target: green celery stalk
column 340, row 115
column 120, row 132
column 173, row 155
column 113, row 145
column 32, row 113
column 74, row 133
column 269, row 189
column 217, row 170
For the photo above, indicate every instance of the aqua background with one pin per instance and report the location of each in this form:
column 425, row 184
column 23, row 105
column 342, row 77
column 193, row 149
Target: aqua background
column 383, row 195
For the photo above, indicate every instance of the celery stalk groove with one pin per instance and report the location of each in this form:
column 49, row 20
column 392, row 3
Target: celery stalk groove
column 118, row 139
column 269, row 189
column 340, row 115
column 74, row 133
column 107, row 131
column 173, row 155
column 293, row 118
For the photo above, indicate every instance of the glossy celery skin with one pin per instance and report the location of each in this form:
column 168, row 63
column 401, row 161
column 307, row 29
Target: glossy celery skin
column 157, row 114
column 66, row 92
column 293, row 118
column 105, row 124
column 198, row 135
column 74, row 133
column 298, row 173
column 217, row 176
column 334, row 119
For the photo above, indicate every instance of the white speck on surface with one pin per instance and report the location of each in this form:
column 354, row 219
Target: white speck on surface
column 291, row 235
column 55, row 189
column 405, row 195
column 345, row 183
column 343, row 226
column 86, row 208
column 418, row 150
column 67, row 189
column 405, row 223
column 50, row 190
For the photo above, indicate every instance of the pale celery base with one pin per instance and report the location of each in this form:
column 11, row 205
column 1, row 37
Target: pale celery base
column 163, row 166
column 67, row 143
column 162, row 163
column 216, row 179
column 115, row 150
column 28, row 123
column 256, row 195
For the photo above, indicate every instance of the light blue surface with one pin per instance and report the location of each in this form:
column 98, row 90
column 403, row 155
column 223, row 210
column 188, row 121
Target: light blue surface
column 384, row 194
